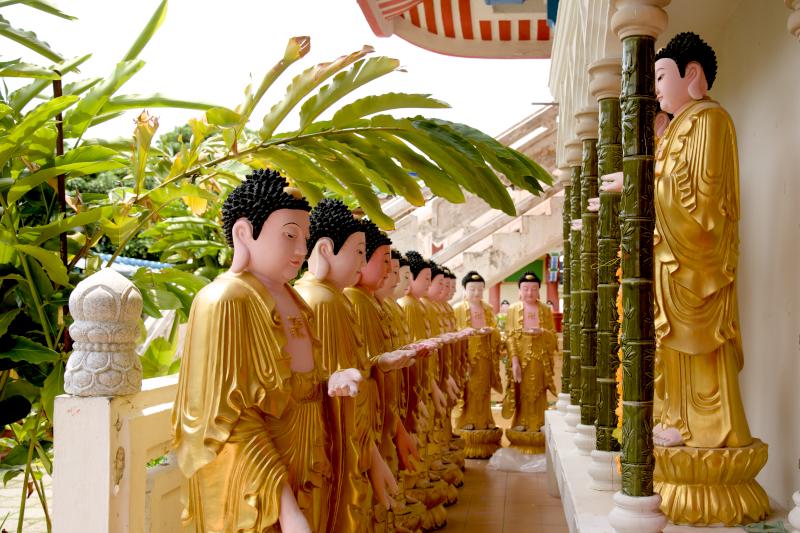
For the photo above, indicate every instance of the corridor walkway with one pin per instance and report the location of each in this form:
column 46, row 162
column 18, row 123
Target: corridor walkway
column 504, row 502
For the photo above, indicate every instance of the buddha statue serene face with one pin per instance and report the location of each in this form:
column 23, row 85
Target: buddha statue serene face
column 529, row 285
column 404, row 278
column 451, row 288
column 420, row 274
column 267, row 224
column 378, row 255
column 684, row 73
column 338, row 244
column 473, row 292
column 437, row 288
column 390, row 284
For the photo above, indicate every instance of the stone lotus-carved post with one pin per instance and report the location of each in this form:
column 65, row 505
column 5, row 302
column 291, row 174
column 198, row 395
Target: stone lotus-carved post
column 638, row 23
column 106, row 308
column 604, row 85
column 587, row 132
column 564, row 396
column 574, row 408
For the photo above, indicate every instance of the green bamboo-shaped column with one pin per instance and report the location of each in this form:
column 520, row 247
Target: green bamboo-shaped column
column 587, row 132
column 638, row 105
column 605, row 82
column 575, row 300
column 565, row 352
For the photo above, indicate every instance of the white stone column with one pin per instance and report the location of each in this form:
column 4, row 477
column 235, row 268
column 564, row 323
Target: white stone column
column 106, row 308
column 638, row 514
column 572, row 156
column 793, row 24
column 587, row 124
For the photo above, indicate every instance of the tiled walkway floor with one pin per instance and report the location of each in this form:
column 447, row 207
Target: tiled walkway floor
column 504, row 502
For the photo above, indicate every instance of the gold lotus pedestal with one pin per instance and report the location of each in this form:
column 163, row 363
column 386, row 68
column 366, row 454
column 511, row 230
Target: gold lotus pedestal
column 480, row 443
column 711, row 486
column 528, row 442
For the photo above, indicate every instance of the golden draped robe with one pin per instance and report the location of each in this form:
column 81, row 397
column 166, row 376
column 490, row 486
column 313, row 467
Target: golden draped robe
column 352, row 421
column 483, row 356
column 243, row 422
column 526, row 401
column 699, row 350
column 416, row 376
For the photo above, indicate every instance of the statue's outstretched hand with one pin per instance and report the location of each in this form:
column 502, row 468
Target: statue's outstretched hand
column 576, row 225
column 611, row 182
column 383, row 483
column 291, row 518
column 594, row 205
column 438, row 399
column 396, row 360
column 344, row 382
column 406, row 449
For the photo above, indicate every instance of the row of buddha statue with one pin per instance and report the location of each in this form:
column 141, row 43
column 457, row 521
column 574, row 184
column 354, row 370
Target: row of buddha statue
column 325, row 405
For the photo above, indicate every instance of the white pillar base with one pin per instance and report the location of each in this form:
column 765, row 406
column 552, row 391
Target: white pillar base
column 586, row 438
column 603, row 470
column 794, row 514
column 637, row 514
column 573, row 417
column 562, row 403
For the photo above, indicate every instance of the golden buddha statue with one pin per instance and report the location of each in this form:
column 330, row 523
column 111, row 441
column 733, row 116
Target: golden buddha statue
column 698, row 407
column 249, row 430
column 476, row 423
column 362, row 482
column 531, row 344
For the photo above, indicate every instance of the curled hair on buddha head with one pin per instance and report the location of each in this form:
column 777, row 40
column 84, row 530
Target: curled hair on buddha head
column 416, row 263
column 256, row 198
column 528, row 277
column 331, row 218
column 374, row 236
column 396, row 255
column 471, row 277
column 436, row 269
column 687, row 47
column 448, row 273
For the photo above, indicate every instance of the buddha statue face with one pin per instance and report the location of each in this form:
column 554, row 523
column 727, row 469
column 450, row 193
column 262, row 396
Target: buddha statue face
column 451, row 288
column 685, row 71
column 404, row 279
column 529, row 292
column 392, row 279
column 437, row 288
column 419, row 285
column 377, row 269
column 277, row 254
column 344, row 267
column 474, row 291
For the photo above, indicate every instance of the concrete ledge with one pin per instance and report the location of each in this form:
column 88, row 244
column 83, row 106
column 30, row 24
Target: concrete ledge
column 586, row 509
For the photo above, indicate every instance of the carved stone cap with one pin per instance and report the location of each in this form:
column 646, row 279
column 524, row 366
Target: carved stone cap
column 573, row 153
column 587, row 123
column 605, row 77
column 106, row 296
column 793, row 24
column 563, row 176
column 639, row 17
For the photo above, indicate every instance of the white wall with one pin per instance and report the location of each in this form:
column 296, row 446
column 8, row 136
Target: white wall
column 758, row 82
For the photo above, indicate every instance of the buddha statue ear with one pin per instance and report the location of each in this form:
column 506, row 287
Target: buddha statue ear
column 698, row 85
column 242, row 233
column 319, row 260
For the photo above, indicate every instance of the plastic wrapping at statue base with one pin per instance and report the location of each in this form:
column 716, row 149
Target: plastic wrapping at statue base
column 711, row 486
column 481, row 443
column 513, row 460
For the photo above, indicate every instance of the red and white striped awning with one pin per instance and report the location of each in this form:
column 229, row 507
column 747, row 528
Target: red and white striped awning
column 465, row 28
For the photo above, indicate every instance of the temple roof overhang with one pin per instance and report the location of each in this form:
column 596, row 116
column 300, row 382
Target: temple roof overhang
column 465, row 28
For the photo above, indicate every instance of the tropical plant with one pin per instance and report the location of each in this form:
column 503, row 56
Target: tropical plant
column 171, row 193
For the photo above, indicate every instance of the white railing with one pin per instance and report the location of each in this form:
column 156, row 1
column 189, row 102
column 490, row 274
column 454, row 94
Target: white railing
column 101, row 482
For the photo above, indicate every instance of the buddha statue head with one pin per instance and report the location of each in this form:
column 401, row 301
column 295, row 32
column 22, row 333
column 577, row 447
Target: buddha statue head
column 685, row 71
column 473, row 284
column 378, row 257
column 389, row 286
column 437, row 288
column 267, row 224
column 528, row 285
column 337, row 244
column 420, row 274
column 404, row 276
column 450, row 278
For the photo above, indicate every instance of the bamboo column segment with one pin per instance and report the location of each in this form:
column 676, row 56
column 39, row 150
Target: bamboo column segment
column 605, row 85
column 587, row 132
column 567, row 284
column 573, row 410
column 638, row 23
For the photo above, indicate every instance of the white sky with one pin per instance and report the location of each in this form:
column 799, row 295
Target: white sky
column 210, row 50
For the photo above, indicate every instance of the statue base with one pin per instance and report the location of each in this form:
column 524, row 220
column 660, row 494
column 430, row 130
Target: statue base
column 562, row 403
column 711, row 486
column 480, row 443
column 637, row 514
column 585, row 438
column 604, row 471
column 573, row 417
column 528, row 442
